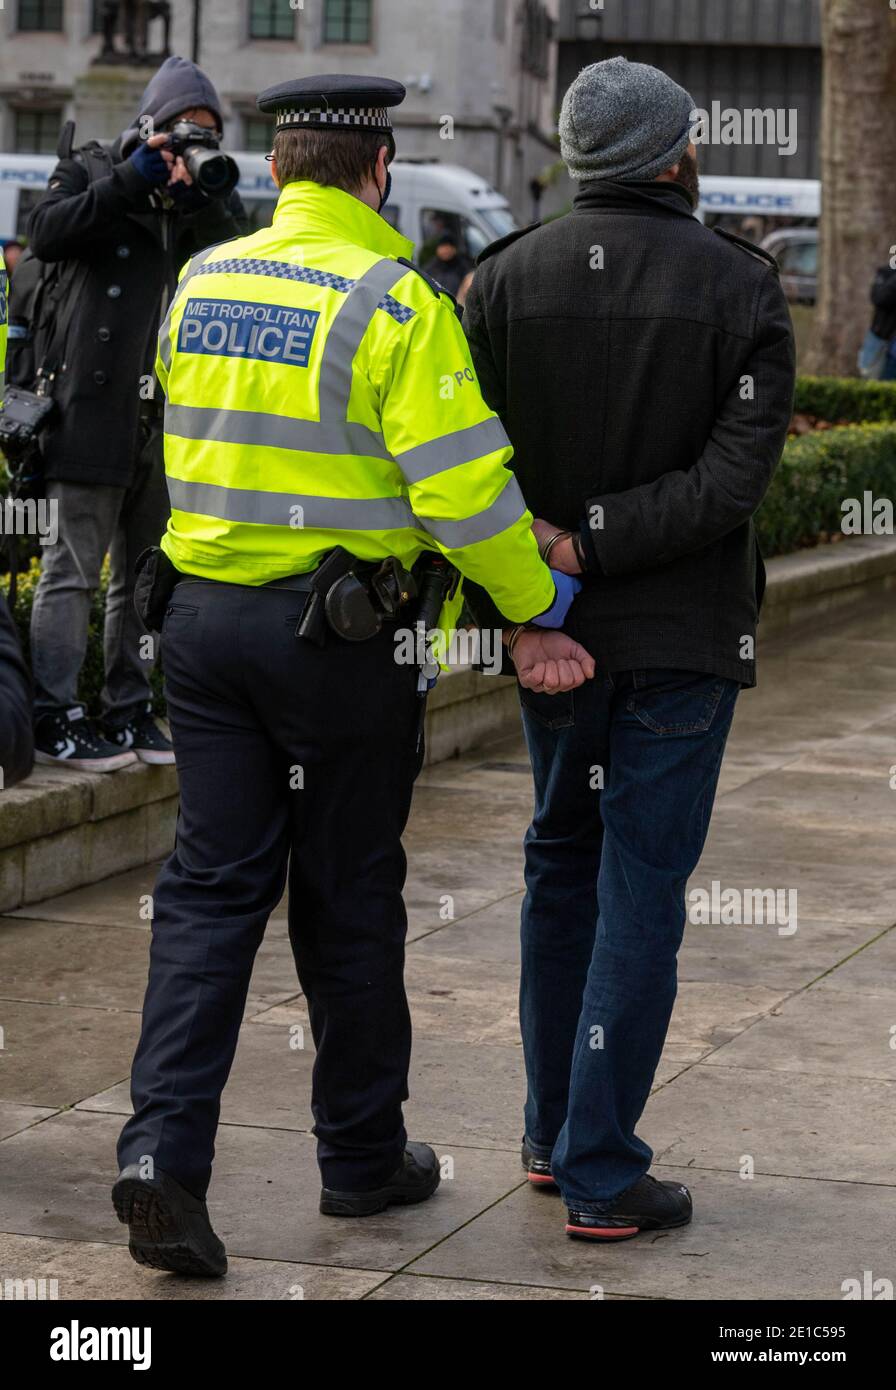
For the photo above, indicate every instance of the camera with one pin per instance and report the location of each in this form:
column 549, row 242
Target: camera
column 23, row 417
column 209, row 167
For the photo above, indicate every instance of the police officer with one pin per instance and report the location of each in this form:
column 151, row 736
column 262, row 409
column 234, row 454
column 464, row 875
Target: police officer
column 324, row 430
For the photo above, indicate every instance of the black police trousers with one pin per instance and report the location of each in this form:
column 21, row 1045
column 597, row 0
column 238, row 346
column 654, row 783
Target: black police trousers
column 289, row 755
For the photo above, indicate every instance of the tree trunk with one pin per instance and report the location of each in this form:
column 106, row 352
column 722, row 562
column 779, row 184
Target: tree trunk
column 858, row 175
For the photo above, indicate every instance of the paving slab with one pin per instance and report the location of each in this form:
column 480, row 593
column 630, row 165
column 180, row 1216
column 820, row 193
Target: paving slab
column 789, row 1126
column 758, row 953
column 859, row 895
column 74, row 963
column 821, row 1031
column 15, row 1117
column 56, row 1054
column 84, row 1269
column 448, row 882
column 869, row 970
column 124, row 900
column 769, row 1238
column 492, row 933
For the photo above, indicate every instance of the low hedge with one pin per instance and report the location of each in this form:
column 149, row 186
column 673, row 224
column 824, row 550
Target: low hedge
column 817, row 472
column 838, row 399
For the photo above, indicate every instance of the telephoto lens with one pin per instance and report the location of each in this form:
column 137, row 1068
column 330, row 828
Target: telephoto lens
column 208, row 166
column 215, row 172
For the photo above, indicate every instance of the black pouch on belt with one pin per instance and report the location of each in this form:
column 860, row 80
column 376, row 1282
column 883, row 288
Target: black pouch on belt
column 156, row 578
column 339, row 601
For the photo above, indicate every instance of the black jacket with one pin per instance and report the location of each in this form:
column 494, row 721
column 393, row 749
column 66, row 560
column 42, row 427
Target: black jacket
column 16, row 737
column 651, row 396
column 883, row 297
column 133, row 253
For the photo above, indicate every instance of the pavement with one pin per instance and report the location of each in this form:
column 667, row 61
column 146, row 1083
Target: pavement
column 775, row 1099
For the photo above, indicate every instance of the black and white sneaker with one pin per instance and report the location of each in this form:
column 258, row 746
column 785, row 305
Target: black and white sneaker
column 69, row 739
column 144, row 738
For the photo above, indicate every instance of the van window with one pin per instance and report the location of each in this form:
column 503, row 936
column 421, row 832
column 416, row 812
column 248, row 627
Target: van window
column 435, row 222
column 500, row 221
column 799, row 258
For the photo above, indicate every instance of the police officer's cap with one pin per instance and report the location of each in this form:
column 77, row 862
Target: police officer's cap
column 333, row 103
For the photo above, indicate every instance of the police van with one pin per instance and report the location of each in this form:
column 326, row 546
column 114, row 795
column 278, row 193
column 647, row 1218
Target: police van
column 780, row 215
column 428, row 199
column 764, row 201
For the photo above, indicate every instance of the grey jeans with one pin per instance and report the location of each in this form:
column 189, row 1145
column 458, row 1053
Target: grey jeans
column 94, row 521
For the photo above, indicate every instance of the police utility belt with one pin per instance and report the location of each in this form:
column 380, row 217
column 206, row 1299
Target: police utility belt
column 348, row 596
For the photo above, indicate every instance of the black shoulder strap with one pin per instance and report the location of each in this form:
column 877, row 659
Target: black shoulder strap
column 749, row 246
column 437, row 289
column 495, row 246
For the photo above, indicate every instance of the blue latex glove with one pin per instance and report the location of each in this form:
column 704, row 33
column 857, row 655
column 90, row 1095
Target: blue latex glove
column 567, row 587
column 151, row 165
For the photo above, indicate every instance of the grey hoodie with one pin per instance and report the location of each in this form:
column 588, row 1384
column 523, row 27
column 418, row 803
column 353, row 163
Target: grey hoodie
column 179, row 85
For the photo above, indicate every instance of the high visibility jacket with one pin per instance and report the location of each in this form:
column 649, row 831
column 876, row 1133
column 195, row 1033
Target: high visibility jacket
column 319, row 394
column 4, row 325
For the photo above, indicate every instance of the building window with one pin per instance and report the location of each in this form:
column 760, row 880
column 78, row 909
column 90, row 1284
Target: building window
column 40, row 14
column 538, row 29
column 96, row 16
column 258, row 134
column 347, row 21
column 37, row 132
column 272, row 19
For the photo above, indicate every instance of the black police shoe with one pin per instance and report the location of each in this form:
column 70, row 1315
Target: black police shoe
column 647, row 1205
column 169, row 1227
column 416, row 1178
column 538, row 1170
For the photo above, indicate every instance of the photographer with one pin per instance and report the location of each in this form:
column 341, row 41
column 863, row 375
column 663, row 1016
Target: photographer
column 128, row 230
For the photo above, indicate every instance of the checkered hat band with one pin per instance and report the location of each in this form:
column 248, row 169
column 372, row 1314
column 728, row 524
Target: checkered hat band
column 337, row 115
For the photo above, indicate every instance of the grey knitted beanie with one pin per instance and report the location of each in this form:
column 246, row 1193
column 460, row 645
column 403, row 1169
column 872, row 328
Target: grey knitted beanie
column 624, row 121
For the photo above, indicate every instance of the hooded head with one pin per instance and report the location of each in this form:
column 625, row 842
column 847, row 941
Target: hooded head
column 178, row 86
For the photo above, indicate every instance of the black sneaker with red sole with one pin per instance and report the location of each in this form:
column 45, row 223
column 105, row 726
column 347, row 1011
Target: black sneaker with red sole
column 538, row 1170
column 648, row 1205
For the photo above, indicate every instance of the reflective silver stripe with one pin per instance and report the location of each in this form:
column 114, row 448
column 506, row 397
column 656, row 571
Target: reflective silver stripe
column 2, row 385
column 507, row 508
column 347, row 331
column 165, row 330
column 274, row 431
column 463, row 446
column 279, row 508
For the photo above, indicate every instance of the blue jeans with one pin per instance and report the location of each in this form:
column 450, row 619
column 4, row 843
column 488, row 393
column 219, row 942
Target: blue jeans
column 626, row 769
